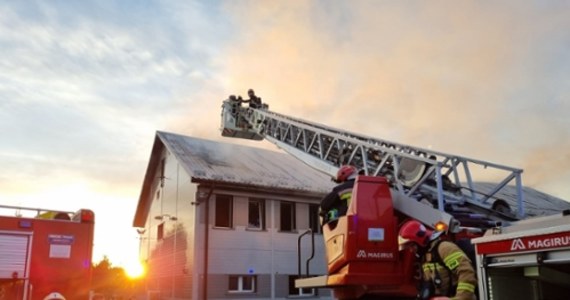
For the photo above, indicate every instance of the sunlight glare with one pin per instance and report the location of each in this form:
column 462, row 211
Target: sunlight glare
column 134, row 270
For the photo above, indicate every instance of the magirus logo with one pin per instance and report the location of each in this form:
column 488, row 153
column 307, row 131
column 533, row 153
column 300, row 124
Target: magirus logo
column 541, row 242
column 517, row 245
column 374, row 255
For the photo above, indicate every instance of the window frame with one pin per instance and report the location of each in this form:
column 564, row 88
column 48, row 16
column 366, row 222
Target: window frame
column 240, row 284
column 260, row 211
column 291, row 214
column 229, row 222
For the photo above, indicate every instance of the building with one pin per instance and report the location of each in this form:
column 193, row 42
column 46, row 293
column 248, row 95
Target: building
column 222, row 221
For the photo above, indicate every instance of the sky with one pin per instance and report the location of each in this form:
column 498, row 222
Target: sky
column 84, row 86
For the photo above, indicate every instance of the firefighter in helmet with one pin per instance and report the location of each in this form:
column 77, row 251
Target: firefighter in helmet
column 254, row 101
column 335, row 203
column 446, row 269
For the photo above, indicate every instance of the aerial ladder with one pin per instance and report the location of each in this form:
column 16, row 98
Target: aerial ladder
column 448, row 182
column 441, row 190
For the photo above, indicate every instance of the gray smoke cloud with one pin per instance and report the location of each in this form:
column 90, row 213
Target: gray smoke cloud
column 483, row 80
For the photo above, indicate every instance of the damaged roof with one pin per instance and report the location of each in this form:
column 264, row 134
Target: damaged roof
column 210, row 161
column 206, row 160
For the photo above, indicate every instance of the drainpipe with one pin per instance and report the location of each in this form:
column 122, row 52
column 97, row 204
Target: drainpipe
column 206, row 234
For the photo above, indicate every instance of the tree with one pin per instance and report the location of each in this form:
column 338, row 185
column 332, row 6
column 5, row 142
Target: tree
column 108, row 280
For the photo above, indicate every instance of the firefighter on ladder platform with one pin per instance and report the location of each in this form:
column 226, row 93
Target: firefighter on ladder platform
column 335, row 203
column 449, row 275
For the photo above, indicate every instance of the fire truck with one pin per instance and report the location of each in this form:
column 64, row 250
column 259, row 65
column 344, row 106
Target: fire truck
column 517, row 257
column 45, row 254
column 530, row 259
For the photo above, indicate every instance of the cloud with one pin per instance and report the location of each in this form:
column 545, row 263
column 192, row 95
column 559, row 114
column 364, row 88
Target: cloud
column 84, row 87
column 85, row 94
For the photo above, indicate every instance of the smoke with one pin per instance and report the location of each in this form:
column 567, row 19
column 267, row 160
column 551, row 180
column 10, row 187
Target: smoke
column 468, row 78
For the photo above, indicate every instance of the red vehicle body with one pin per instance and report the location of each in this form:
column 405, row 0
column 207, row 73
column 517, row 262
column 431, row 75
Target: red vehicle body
column 48, row 253
column 362, row 247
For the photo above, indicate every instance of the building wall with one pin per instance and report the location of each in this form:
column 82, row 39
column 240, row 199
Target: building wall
column 170, row 255
column 176, row 258
column 269, row 254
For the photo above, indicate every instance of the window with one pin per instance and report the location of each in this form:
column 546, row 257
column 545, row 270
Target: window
column 299, row 292
column 162, row 167
column 256, row 214
column 287, row 216
column 224, row 205
column 160, row 231
column 314, row 221
column 241, row 284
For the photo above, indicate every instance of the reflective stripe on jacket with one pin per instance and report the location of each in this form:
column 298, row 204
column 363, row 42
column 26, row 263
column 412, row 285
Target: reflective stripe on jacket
column 338, row 198
column 463, row 278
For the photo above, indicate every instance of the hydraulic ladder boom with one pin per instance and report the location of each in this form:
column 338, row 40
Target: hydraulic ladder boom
column 446, row 182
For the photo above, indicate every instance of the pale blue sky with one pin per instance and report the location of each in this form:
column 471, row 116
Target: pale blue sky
column 85, row 84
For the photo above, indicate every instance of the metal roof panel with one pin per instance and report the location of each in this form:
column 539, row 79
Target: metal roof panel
column 231, row 163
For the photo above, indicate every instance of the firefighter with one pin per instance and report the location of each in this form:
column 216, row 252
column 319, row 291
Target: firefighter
column 449, row 275
column 254, row 101
column 335, row 203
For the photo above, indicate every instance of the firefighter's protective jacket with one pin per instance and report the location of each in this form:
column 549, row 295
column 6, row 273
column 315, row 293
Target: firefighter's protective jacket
column 456, row 279
column 338, row 198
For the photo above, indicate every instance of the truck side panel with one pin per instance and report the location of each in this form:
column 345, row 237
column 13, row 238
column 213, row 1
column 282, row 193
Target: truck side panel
column 60, row 258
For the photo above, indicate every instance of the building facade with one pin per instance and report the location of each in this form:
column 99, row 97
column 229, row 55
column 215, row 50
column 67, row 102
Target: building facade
column 222, row 221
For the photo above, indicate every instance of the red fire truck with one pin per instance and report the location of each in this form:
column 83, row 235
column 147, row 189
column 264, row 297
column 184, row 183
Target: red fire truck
column 517, row 257
column 528, row 260
column 46, row 254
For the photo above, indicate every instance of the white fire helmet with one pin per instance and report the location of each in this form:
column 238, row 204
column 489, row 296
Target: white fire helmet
column 54, row 296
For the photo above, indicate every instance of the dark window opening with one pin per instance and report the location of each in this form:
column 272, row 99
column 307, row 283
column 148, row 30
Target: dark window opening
column 160, row 231
column 256, row 214
column 224, row 205
column 287, row 216
column 242, row 284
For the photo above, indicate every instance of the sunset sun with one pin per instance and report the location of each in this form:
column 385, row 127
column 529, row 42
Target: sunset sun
column 135, row 270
